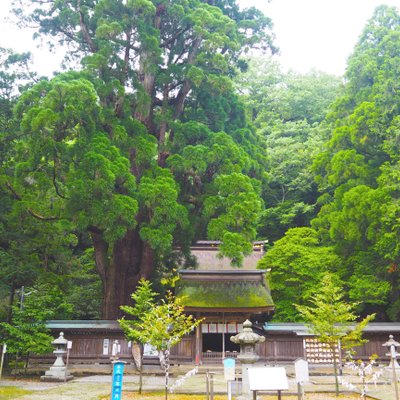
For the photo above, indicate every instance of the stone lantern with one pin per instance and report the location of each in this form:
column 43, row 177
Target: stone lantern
column 58, row 371
column 247, row 339
column 392, row 345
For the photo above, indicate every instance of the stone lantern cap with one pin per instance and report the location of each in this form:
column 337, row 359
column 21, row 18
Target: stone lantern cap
column 391, row 342
column 247, row 336
column 60, row 341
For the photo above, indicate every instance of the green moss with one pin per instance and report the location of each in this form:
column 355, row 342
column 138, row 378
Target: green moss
column 11, row 392
column 224, row 294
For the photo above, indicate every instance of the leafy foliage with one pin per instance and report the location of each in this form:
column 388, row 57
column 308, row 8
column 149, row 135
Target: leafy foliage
column 26, row 333
column 162, row 325
column 332, row 319
column 166, row 135
column 287, row 109
column 359, row 201
column 297, row 262
column 144, row 300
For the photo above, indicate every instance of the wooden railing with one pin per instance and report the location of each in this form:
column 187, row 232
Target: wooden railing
column 218, row 356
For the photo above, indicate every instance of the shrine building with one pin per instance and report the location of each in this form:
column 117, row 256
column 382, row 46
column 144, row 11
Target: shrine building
column 223, row 296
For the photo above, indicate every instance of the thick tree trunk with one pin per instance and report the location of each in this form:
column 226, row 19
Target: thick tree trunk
column 129, row 261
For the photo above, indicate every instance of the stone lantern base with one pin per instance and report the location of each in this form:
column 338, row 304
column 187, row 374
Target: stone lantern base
column 56, row 374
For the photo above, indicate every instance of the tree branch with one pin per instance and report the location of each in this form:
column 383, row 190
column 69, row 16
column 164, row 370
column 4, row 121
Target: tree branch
column 186, row 87
column 56, row 185
column 30, row 211
column 93, row 48
column 174, row 37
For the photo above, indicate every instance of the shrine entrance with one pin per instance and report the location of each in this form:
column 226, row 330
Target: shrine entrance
column 218, row 342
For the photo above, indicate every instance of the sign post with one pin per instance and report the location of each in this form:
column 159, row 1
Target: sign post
column 302, row 376
column 69, row 347
column 116, row 385
column 229, row 374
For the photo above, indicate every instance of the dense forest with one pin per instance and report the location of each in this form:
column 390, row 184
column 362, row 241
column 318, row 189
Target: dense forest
column 162, row 130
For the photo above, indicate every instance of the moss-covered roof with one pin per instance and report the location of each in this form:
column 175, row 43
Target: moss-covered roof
column 224, row 291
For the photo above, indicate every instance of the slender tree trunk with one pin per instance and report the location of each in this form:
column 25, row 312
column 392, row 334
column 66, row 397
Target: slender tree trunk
column 16, row 363
column 26, row 362
column 395, row 292
column 137, row 350
column 335, row 369
column 11, row 302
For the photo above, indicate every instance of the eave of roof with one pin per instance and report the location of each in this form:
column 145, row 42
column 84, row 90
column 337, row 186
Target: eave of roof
column 303, row 330
column 83, row 324
column 252, row 310
column 297, row 328
column 224, row 272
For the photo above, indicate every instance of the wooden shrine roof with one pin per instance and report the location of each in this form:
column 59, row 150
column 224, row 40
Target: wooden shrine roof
column 224, row 290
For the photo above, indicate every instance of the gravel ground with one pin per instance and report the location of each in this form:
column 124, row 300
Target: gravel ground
column 99, row 386
column 87, row 388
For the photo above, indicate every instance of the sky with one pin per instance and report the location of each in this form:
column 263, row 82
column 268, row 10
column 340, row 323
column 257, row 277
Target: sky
column 319, row 34
column 311, row 34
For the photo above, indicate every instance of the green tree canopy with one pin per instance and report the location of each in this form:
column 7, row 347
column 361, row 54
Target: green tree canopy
column 26, row 332
column 287, row 109
column 297, row 262
column 132, row 148
column 355, row 171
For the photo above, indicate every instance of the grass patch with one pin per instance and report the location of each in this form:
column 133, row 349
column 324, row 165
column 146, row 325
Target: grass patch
column 161, row 395
column 10, row 392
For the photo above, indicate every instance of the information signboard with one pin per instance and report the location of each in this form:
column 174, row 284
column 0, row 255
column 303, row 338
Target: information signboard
column 263, row 379
column 229, row 369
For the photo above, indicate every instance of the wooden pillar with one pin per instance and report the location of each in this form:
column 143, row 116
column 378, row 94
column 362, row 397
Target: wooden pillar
column 198, row 358
column 223, row 336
